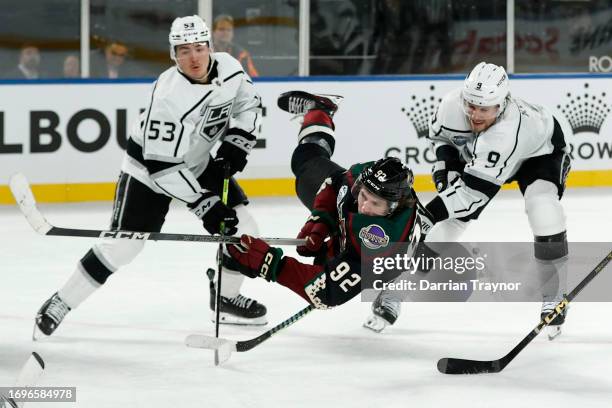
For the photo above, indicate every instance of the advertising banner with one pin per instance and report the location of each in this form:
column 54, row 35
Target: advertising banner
column 76, row 133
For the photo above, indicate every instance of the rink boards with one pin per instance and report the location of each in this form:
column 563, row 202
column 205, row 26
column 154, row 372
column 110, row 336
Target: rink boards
column 69, row 137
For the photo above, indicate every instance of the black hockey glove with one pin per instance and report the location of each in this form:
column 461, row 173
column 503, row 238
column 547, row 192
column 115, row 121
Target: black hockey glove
column 443, row 177
column 234, row 150
column 212, row 212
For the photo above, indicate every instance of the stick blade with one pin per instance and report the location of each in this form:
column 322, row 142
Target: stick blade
column 223, row 348
column 206, row 342
column 20, row 188
column 31, row 371
column 29, row 375
column 461, row 366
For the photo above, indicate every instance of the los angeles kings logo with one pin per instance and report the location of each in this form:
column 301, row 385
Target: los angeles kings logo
column 214, row 120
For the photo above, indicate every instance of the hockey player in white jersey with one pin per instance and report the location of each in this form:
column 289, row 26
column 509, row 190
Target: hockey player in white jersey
column 204, row 100
column 483, row 137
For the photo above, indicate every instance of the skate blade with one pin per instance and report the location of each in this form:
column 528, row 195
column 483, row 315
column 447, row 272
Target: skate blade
column 225, row 318
column 553, row 332
column 37, row 334
column 336, row 99
column 375, row 323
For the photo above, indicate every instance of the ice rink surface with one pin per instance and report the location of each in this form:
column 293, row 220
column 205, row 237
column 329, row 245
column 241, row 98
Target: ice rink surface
column 123, row 347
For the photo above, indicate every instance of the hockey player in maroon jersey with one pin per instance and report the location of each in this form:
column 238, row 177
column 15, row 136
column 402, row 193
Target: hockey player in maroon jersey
column 371, row 204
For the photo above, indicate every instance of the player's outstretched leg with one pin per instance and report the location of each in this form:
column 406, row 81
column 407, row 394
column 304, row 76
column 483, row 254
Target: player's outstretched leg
column 311, row 160
column 108, row 255
column 547, row 221
column 92, row 271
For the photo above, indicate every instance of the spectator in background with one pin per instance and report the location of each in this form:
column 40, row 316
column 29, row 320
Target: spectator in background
column 393, row 37
column 114, row 59
column 29, row 64
column 580, row 21
column 434, row 19
column 339, row 42
column 223, row 35
column 72, row 67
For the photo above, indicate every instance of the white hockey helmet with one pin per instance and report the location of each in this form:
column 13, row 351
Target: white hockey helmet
column 188, row 30
column 486, row 85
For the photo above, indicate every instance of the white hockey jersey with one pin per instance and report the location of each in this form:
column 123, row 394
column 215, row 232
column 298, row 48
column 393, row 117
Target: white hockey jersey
column 170, row 144
column 492, row 157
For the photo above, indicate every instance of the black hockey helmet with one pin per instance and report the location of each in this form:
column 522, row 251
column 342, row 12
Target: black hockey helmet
column 389, row 179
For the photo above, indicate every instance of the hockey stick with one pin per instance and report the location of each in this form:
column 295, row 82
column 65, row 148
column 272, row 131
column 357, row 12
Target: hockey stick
column 29, row 375
column 20, row 188
column 226, row 177
column 225, row 347
column 461, row 366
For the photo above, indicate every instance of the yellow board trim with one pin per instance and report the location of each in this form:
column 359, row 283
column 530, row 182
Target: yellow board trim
column 65, row 193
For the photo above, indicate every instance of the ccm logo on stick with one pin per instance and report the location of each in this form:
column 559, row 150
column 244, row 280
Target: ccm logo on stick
column 125, row 235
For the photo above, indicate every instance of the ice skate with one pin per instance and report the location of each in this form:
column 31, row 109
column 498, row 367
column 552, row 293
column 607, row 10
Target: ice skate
column 300, row 102
column 553, row 330
column 385, row 311
column 239, row 310
column 50, row 315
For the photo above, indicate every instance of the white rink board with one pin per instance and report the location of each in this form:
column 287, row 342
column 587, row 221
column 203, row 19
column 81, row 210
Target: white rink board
column 370, row 124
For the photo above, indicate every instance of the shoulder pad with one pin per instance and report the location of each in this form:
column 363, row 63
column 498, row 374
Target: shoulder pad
column 226, row 64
